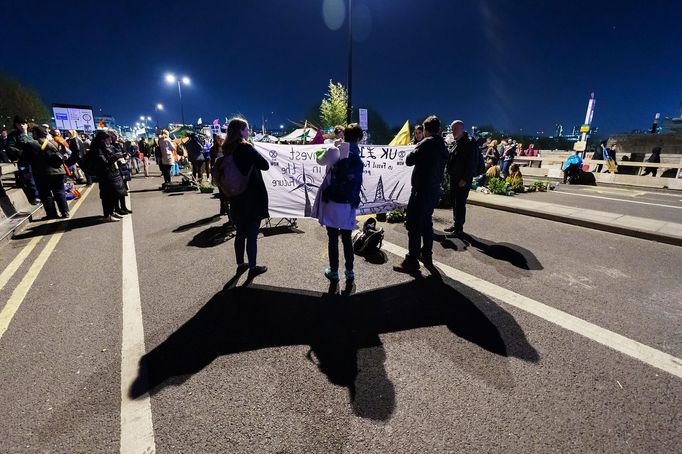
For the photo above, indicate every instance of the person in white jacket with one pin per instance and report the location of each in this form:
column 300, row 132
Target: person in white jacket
column 338, row 198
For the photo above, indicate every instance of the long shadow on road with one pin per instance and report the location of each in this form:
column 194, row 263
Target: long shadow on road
column 341, row 332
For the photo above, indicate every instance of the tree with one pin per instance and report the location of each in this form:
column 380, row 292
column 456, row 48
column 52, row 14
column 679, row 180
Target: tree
column 16, row 99
column 334, row 106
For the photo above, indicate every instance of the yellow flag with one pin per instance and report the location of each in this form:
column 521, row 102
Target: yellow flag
column 403, row 136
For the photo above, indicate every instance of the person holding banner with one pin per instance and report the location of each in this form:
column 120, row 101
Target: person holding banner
column 338, row 198
column 428, row 159
column 251, row 206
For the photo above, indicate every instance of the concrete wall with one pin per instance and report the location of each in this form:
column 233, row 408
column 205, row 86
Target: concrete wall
column 643, row 143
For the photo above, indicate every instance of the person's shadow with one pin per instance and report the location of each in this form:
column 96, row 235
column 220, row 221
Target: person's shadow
column 342, row 333
column 516, row 256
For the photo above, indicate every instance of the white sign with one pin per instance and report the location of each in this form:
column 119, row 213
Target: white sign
column 363, row 119
column 294, row 178
column 580, row 146
column 78, row 118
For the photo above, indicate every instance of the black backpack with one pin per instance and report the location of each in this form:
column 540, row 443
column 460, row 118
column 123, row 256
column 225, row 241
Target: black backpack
column 346, row 179
column 370, row 239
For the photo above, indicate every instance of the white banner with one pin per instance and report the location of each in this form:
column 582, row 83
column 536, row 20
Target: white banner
column 294, row 177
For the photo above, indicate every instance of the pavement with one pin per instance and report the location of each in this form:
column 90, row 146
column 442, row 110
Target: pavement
column 138, row 336
column 659, row 214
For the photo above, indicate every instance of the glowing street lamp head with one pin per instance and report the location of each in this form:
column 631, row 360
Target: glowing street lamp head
column 185, row 80
column 142, row 117
column 159, row 106
column 149, row 118
column 170, row 78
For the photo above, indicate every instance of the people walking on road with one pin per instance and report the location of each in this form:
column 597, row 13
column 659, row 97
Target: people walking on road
column 47, row 162
column 102, row 161
column 166, row 153
column 196, row 156
column 428, row 159
column 338, row 198
column 461, row 166
column 215, row 152
column 249, row 208
column 654, row 158
column 144, row 155
column 16, row 142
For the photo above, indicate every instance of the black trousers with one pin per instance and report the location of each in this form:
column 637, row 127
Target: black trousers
column 166, row 171
column 459, row 198
column 333, row 248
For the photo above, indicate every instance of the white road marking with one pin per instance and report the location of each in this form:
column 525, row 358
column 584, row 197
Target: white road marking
column 618, row 200
column 20, row 292
column 14, row 265
column 615, row 341
column 137, row 431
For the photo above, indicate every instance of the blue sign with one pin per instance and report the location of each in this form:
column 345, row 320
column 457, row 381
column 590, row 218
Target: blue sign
column 61, row 116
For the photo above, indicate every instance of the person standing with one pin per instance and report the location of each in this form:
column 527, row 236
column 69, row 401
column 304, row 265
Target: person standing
column 461, row 167
column 196, row 156
column 3, row 146
column 428, row 159
column 103, row 162
column 145, row 154
column 418, row 134
column 338, row 198
column 16, row 142
column 166, row 153
column 47, row 161
column 215, row 152
column 508, row 158
column 249, row 208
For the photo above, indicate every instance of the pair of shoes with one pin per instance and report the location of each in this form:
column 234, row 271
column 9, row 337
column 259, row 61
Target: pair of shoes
column 408, row 265
column 257, row 270
column 116, row 216
column 120, row 212
column 450, row 229
column 110, row 219
column 66, row 215
column 242, row 267
column 350, row 275
column 127, row 211
column 456, row 234
column 331, row 274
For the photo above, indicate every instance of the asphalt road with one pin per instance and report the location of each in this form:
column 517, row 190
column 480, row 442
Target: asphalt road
column 280, row 365
column 659, row 205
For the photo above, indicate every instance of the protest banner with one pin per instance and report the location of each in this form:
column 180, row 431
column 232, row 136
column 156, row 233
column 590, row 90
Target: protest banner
column 294, row 178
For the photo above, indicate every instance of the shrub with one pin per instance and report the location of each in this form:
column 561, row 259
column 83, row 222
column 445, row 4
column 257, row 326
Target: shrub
column 396, row 216
column 498, row 186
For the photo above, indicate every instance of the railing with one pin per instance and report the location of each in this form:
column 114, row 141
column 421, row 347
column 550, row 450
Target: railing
column 589, row 162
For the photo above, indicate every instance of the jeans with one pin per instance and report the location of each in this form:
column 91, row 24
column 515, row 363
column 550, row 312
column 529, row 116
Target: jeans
column 504, row 168
column 419, row 223
column 333, row 248
column 27, row 183
column 197, row 167
column 51, row 190
column 459, row 197
column 145, row 164
column 247, row 236
column 166, row 171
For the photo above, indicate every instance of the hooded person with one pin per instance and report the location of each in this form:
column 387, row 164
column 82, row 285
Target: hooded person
column 654, row 158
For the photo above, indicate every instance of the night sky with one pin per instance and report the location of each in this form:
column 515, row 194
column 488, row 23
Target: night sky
column 516, row 64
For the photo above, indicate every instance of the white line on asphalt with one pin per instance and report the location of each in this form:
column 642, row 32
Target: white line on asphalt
column 137, row 431
column 12, row 268
column 617, row 200
column 634, row 349
column 29, row 278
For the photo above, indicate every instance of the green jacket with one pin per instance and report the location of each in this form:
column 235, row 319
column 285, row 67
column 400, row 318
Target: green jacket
column 16, row 144
column 46, row 158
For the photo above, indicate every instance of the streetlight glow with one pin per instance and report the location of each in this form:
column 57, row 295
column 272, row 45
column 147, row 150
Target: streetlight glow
column 170, row 78
column 149, row 118
column 142, row 117
column 185, row 80
column 159, row 106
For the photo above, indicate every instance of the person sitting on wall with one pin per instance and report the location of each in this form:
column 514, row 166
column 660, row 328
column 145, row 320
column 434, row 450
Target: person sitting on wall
column 572, row 168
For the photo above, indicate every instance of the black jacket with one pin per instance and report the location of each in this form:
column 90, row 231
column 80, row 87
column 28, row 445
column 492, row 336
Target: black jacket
column 462, row 160
column 45, row 160
column 16, row 143
column 428, row 160
column 252, row 204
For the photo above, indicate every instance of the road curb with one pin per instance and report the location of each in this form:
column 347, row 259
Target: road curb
column 642, row 234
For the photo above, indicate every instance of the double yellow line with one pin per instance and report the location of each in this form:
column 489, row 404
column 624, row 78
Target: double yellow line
column 19, row 293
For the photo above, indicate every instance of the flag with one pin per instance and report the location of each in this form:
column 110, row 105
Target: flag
column 306, row 133
column 199, row 121
column 216, row 122
column 403, row 136
column 318, row 138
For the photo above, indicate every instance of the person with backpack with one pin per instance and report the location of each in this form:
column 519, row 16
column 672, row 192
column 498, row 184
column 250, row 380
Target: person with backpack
column 101, row 162
column 245, row 188
column 47, row 161
column 338, row 198
column 166, row 153
column 428, row 159
column 196, row 156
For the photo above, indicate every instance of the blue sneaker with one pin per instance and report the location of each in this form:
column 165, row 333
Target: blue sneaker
column 350, row 275
column 331, row 275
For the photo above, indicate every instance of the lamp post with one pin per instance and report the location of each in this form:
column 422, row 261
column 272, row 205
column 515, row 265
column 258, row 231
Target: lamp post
column 350, row 61
column 170, row 78
column 158, row 108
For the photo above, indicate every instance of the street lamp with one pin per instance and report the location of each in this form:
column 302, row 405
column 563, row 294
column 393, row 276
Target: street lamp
column 170, row 78
column 159, row 108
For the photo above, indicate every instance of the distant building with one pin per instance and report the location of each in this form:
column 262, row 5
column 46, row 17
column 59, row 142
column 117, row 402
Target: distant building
column 672, row 124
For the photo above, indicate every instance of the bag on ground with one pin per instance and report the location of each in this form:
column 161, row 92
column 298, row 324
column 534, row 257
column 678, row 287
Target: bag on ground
column 369, row 239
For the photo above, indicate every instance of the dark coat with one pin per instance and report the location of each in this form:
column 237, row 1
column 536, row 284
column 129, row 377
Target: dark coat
column 428, row 159
column 252, row 204
column 16, row 143
column 45, row 161
column 462, row 161
column 110, row 180
column 194, row 150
